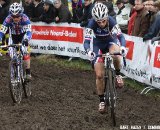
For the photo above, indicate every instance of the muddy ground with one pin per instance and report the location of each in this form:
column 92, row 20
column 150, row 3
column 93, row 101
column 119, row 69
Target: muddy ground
column 65, row 99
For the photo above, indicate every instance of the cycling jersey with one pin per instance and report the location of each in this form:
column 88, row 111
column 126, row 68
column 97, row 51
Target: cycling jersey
column 103, row 38
column 24, row 26
column 111, row 33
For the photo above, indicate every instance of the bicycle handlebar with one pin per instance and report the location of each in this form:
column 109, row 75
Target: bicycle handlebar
column 12, row 45
column 111, row 54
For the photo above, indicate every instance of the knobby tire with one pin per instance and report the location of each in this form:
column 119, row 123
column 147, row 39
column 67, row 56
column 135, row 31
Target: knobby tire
column 111, row 93
column 15, row 88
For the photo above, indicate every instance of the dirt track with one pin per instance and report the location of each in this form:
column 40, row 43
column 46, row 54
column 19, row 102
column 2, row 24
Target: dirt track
column 65, row 99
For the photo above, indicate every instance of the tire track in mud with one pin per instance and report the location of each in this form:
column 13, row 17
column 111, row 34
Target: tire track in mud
column 64, row 98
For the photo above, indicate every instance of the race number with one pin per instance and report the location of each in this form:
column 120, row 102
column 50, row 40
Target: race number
column 89, row 32
column 3, row 29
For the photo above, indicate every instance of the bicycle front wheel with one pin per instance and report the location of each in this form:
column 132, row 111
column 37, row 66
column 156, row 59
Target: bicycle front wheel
column 15, row 83
column 112, row 95
column 26, row 84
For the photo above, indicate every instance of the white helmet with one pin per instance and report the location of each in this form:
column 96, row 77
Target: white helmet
column 15, row 9
column 99, row 11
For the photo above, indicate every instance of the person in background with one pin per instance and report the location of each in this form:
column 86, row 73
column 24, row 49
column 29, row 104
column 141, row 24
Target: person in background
column 76, row 10
column 37, row 10
column 133, row 14
column 153, row 33
column 122, row 17
column 141, row 23
column 62, row 12
column 87, row 7
column 28, row 8
column 48, row 15
column 4, row 7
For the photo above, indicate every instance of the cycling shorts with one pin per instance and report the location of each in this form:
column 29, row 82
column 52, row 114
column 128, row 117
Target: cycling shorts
column 102, row 47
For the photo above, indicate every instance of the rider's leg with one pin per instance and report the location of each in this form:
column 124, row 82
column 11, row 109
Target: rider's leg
column 117, row 65
column 27, row 62
column 116, row 59
column 26, row 59
column 98, row 63
column 99, row 70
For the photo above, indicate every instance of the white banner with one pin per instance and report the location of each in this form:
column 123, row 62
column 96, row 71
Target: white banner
column 143, row 59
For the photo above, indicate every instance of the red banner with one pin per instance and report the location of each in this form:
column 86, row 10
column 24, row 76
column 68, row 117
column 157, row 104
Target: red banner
column 57, row 33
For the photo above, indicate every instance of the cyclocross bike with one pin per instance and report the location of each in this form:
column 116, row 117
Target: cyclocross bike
column 109, row 82
column 17, row 81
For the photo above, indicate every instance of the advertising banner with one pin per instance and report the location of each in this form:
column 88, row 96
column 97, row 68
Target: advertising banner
column 143, row 58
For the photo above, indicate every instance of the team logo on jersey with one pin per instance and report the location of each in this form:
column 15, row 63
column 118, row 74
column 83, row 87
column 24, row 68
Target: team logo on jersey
column 116, row 30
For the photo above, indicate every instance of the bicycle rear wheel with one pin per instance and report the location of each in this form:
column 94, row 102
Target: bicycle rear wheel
column 112, row 94
column 15, row 83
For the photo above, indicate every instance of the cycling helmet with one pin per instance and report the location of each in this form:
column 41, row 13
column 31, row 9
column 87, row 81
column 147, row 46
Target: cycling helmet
column 99, row 11
column 16, row 9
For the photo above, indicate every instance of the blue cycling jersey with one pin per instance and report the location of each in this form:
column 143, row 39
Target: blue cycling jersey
column 111, row 32
column 23, row 26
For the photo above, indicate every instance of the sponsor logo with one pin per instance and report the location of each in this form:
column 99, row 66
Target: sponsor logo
column 157, row 57
column 130, row 47
column 57, row 33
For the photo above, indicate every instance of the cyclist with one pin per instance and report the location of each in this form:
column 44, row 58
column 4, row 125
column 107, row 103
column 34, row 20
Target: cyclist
column 105, row 33
column 20, row 30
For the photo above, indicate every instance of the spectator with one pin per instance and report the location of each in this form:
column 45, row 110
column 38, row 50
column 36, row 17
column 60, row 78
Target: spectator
column 76, row 10
column 141, row 24
column 62, row 12
column 65, row 2
column 154, row 29
column 37, row 10
column 28, row 8
column 48, row 15
column 4, row 7
column 133, row 14
column 122, row 16
column 87, row 7
column 152, row 11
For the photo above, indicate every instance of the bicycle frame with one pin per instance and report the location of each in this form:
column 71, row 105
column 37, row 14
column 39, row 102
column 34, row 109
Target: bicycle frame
column 109, row 79
column 16, row 73
column 109, row 83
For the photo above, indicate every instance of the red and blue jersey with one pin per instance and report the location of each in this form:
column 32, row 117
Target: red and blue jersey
column 23, row 26
column 111, row 33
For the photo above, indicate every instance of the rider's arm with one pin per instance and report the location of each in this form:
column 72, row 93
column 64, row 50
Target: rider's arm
column 88, row 35
column 87, row 39
column 27, row 27
column 4, row 27
column 116, row 31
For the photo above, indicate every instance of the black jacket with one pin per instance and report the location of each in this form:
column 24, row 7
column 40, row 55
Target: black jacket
column 48, row 16
column 64, row 14
column 37, row 12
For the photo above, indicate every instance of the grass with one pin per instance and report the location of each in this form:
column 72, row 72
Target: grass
column 140, row 86
column 64, row 62
column 85, row 65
